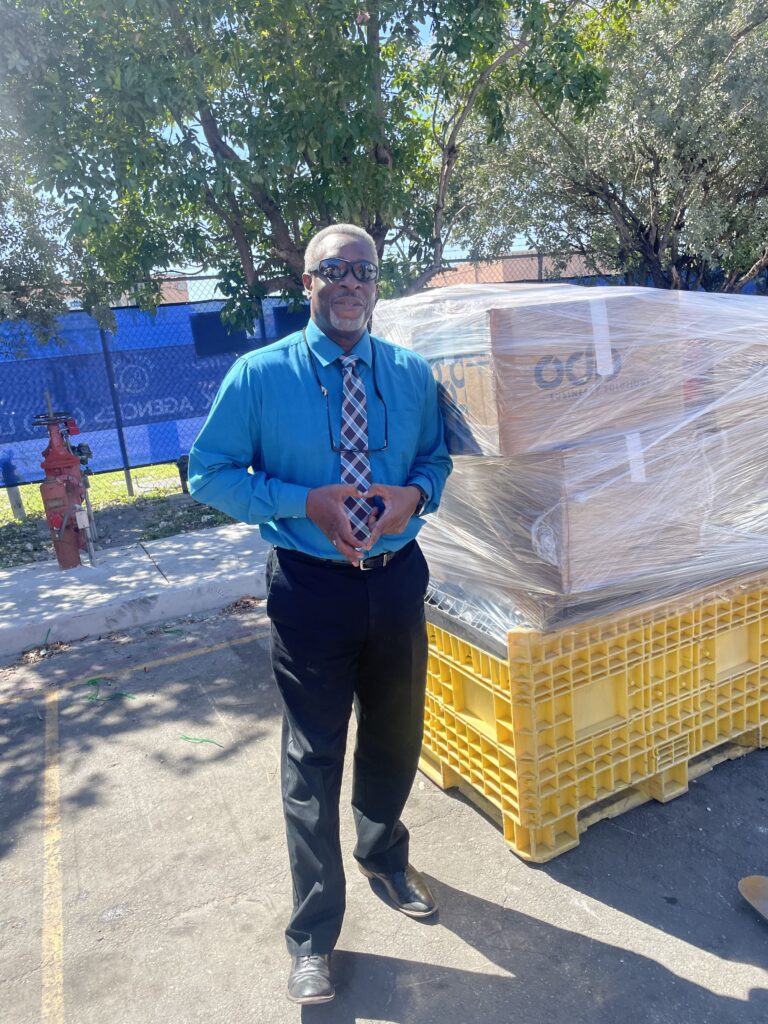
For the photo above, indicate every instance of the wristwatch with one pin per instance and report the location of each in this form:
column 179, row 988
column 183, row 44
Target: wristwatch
column 422, row 500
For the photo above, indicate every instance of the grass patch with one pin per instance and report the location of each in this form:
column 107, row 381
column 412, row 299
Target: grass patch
column 183, row 519
column 106, row 490
column 157, row 509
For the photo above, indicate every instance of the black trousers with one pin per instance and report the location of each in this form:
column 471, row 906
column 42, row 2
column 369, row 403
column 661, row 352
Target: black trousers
column 342, row 637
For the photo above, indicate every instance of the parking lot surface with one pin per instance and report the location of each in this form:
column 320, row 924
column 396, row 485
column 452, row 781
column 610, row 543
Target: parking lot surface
column 144, row 878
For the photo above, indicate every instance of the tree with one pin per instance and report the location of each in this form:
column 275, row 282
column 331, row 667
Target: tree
column 41, row 273
column 181, row 132
column 32, row 258
column 667, row 180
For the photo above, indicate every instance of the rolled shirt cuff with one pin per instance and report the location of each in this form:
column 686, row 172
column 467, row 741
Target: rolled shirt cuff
column 291, row 501
column 426, row 485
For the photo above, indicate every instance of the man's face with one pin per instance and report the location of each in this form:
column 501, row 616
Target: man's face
column 342, row 309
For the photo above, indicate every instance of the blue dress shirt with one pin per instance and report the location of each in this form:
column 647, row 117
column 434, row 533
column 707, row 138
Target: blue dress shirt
column 266, row 441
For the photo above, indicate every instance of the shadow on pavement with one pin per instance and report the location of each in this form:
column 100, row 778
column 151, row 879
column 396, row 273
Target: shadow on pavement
column 103, row 700
column 676, row 866
column 584, row 980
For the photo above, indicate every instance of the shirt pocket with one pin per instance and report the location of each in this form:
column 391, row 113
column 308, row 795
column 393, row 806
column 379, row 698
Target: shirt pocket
column 405, row 423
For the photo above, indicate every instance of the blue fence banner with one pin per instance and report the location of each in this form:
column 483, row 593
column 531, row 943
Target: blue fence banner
column 163, row 386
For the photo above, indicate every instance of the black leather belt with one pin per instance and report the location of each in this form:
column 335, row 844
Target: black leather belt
column 376, row 562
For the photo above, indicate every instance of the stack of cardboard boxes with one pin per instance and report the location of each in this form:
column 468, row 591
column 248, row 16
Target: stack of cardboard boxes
column 608, row 442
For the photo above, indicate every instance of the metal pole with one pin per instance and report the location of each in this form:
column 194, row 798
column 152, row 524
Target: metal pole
column 10, row 478
column 17, row 505
column 91, row 518
column 116, row 406
column 263, row 325
column 89, row 545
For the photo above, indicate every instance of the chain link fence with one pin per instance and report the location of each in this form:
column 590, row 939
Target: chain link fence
column 141, row 393
column 517, row 267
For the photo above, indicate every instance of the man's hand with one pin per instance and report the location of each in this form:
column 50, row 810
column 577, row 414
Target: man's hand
column 399, row 505
column 325, row 507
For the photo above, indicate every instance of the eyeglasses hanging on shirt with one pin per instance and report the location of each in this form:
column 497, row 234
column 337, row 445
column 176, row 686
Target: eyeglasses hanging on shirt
column 336, row 447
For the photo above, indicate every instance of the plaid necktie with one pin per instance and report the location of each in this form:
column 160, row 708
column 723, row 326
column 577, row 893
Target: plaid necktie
column 355, row 465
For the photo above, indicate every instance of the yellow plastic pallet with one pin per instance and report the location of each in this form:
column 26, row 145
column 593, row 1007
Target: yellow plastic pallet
column 574, row 724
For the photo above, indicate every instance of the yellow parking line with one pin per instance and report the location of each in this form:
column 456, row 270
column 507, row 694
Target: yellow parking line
column 53, row 917
column 127, row 670
column 183, row 655
column 53, row 932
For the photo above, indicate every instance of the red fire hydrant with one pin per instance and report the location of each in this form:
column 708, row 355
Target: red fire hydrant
column 63, row 490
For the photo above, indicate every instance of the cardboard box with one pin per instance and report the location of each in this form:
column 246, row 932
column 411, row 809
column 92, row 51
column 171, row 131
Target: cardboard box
column 727, row 358
column 576, row 521
column 737, row 455
column 558, row 373
column 585, row 369
column 623, row 509
column 739, row 389
column 536, row 368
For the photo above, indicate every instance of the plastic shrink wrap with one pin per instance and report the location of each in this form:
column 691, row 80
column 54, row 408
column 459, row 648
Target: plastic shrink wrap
column 609, row 443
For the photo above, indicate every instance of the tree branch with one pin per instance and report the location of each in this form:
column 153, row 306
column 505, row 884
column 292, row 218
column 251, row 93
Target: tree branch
column 757, row 17
column 426, row 276
column 634, row 234
column 214, row 138
column 382, row 151
column 284, row 244
column 233, row 219
column 451, row 151
column 759, row 265
column 286, row 283
column 221, row 150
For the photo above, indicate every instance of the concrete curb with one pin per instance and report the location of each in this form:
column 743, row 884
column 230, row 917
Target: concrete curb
column 144, row 584
column 148, row 610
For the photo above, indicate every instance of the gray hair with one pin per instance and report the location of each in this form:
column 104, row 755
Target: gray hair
column 315, row 246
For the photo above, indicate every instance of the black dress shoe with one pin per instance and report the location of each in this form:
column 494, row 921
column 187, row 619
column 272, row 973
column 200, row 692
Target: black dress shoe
column 310, row 979
column 407, row 890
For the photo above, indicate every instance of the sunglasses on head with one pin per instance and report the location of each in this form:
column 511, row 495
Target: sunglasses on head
column 335, row 268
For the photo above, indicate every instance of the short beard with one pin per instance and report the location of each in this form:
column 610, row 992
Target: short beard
column 346, row 325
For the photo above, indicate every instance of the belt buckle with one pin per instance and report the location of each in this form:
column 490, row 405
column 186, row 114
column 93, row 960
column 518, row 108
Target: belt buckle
column 386, row 558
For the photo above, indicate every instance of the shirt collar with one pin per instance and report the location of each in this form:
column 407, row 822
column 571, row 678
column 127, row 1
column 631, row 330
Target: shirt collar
column 326, row 351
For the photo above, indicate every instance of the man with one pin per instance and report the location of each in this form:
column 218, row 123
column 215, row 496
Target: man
column 344, row 442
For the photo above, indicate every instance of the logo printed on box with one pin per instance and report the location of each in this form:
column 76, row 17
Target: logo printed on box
column 579, row 368
column 451, row 373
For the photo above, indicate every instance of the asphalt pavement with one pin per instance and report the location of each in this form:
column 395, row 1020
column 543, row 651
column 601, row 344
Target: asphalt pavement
column 143, row 872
